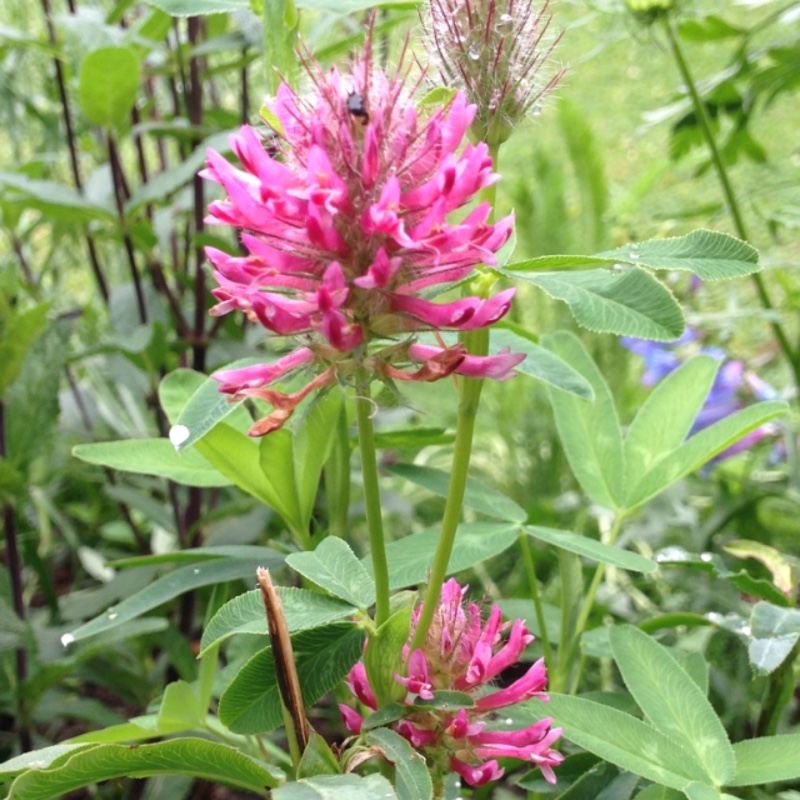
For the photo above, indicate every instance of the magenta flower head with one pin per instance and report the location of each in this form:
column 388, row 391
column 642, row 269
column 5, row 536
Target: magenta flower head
column 348, row 234
column 465, row 654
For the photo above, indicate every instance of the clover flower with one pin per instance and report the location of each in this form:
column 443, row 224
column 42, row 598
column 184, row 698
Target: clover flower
column 347, row 234
column 496, row 50
column 464, row 654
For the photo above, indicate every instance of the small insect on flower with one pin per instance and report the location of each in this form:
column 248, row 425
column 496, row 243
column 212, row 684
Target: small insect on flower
column 357, row 109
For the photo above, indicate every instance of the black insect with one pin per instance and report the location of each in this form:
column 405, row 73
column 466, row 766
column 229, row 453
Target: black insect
column 356, row 107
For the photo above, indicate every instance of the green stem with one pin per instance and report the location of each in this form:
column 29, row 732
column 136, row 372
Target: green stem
column 588, row 603
column 469, row 392
column 372, row 498
column 469, row 395
column 727, row 190
column 527, row 557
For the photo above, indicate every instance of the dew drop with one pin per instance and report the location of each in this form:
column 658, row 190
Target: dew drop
column 112, row 613
column 67, row 639
column 474, row 53
column 37, row 764
column 196, row 571
column 633, row 254
column 178, row 434
column 508, row 721
column 536, row 109
column 706, row 557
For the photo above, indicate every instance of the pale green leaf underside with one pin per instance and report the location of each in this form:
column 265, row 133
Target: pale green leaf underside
column 197, row 758
column 671, row 701
column 337, row 787
column 767, row 759
column 153, row 457
column 477, row 496
column 303, row 608
column 629, row 303
column 623, row 740
column 541, row 364
column 334, row 567
column 170, row 586
column 410, row 559
column 591, row 548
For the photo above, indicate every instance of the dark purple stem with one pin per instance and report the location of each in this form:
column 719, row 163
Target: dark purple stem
column 120, row 195
column 18, row 599
column 102, row 285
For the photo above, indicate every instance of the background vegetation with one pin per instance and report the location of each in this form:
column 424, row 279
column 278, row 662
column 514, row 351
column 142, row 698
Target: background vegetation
column 107, row 109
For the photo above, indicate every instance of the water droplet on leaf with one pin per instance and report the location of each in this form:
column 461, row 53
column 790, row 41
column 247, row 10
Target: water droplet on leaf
column 178, row 434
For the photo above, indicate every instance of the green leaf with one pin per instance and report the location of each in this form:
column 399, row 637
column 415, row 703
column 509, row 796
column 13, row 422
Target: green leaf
column 304, row 609
column 107, row 85
column 196, row 758
column 280, row 36
column 589, row 432
column 336, row 787
column 180, row 707
column 779, row 566
column 542, row 364
column 707, row 29
column 324, row 656
column 629, row 303
column 277, row 463
column 416, row 438
column 193, row 400
column 591, row 548
column 313, row 441
column 31, row 402
column 18, row 332
column 710, row 255
column 481, row 498
column 11, row 481
column 667, row 416
column 383, row 658
column 702, row 447
column 384, row 716
column 38, row 759
column 205, row 407
column 701, row 791
column 623, row 740
column 152, row 457
column 767, row 654
column 170, row 586
column 54, row 200
column 197, row 8
column 766, row 760
column 334, row 567
column 410, row 558
column 159, row 186
column 769, row 620
column 654, row 792
column 413, row 779
column 446, row 700
column 672, row 701
column 317, row 759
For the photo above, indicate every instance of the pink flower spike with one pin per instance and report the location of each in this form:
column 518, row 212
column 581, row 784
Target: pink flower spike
column 418, row 680
column 359, row 686
column 417, row 737
column 234, row 380
column 500, row 367
column 477, row 776
column 352, row 719
column 531, row 684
